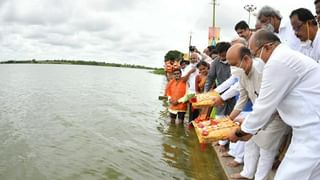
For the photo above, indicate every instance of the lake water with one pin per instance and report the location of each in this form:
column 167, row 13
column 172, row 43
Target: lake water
column 69, row 122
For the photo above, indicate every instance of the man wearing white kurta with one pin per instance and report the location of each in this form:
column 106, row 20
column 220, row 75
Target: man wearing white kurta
column 305, row 27
column 290, row 85
column 229, row 89
column 271, row 19
column 261, row 150
column 189, row 75
column 191, row 72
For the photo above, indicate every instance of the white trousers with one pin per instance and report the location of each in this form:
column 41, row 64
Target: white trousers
column 237, row 151
column 302, row 160
column 257, row 161
column 298, row 169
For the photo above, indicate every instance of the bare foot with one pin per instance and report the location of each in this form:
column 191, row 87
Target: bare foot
column 225, row 154
column 215, row 144
column 233, row 163
column 222, row 148
column 237, row 176
column 179, row 121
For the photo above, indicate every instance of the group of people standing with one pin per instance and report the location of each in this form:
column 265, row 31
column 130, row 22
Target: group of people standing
column 268, row 80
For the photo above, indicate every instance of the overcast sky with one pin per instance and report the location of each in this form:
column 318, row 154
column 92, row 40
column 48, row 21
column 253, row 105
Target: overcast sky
column 120, row 31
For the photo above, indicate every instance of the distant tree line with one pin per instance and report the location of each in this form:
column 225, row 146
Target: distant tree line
column 81, row 62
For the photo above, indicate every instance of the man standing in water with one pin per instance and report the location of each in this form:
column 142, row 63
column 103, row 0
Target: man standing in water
column 176, row 89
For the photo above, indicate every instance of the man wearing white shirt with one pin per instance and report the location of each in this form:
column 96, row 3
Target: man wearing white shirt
column 290, row 85
column 229, row 89
column 317, row 7
column 243, row 30
column 271, row 19
column 190, row 72
column 189, row 75
column 305, row 27
column 262, row 148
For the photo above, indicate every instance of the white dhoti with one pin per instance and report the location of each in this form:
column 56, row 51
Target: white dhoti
column 261, row 149
column 257, row 161
column 302, row 160
column 236, row 150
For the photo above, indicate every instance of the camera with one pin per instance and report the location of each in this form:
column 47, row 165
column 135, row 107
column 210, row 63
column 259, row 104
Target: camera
column 192, row 48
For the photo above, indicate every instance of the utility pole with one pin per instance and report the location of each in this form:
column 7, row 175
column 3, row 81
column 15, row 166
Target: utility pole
column 250, row 8
column 214, row 12
column 190, row 37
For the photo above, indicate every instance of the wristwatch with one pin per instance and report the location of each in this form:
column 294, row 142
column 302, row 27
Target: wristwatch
column 240, row 133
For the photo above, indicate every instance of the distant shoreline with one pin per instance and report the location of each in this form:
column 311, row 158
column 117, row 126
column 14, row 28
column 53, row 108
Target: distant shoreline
column 81, row 62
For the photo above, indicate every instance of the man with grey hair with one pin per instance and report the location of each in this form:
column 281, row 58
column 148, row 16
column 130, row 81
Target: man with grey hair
column 295, row 94
column 317, row 6
column 271, row 19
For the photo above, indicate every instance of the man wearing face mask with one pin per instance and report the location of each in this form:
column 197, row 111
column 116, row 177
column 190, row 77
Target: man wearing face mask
column 271, row 19
column 229, row 89
column 317, row 6
column 262, row 148
column 295, row 94
column 218, row 73
column 305, row 27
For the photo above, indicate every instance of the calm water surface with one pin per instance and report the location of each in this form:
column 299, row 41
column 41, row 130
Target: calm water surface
column 61, row 122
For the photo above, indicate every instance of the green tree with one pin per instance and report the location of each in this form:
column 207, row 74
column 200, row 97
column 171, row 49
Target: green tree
column 173, row 55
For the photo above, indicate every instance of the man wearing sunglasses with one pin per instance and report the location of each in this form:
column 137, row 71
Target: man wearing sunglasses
column 305, row 27
column 290, row 85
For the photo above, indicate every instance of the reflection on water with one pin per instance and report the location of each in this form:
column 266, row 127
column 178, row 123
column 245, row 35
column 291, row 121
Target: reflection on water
column 92, row 123
column 181, row 150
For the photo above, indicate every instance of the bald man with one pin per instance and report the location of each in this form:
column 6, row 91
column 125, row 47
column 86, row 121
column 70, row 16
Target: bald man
column 229, row 89
column 262, row 148
column 290, row 85
column 189, row 75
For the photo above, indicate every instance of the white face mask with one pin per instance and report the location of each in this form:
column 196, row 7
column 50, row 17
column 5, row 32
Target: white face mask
column 268, row 27
column 306, row 43
column 259, row 60
column 261, row 53
column 236, row 71
column 258, row 64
